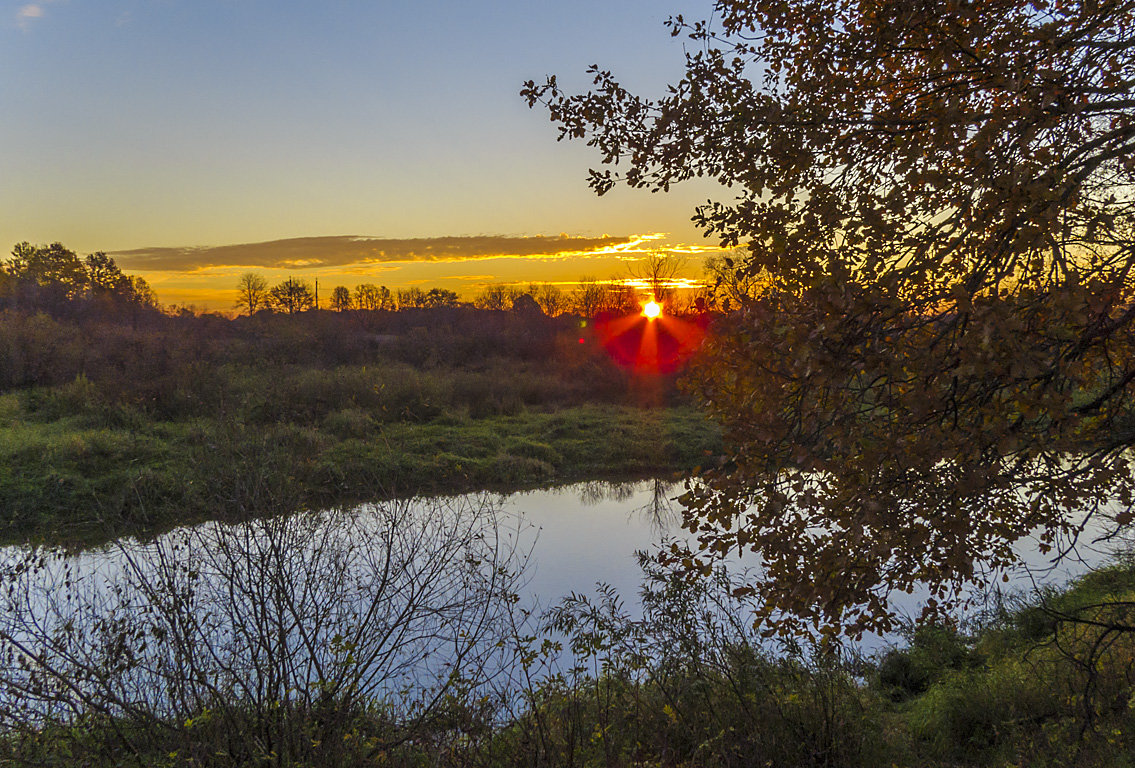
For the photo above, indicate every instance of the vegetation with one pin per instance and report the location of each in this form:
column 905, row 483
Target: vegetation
column 936, row 205
column 171, row 662
column 113, row 423
column 931, row 359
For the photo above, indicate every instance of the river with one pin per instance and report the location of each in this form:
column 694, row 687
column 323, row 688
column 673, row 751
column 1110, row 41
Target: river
column 386, row 598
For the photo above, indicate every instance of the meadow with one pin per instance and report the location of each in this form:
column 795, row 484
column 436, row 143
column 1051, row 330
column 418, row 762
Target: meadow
column 109, row 426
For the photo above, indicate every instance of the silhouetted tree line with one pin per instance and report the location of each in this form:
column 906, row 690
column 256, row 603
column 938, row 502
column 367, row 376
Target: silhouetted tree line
column 266, row 366
column 589, row 297
column 55, row 280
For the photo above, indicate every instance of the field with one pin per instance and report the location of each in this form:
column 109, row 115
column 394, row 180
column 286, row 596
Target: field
column 108, row 428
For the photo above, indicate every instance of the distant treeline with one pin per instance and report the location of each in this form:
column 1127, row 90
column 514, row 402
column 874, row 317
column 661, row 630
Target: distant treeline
column 56, row 280
column 589, row 297
column 175, row 366
column 62, row 317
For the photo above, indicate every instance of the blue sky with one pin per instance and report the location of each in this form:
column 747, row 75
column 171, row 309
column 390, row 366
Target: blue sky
column 135, row 124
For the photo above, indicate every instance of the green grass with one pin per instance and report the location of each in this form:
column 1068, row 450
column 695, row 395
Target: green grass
column 1042, row 683
column 96, row 474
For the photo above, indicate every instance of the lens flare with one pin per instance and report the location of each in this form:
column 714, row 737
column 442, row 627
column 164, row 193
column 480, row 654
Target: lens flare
column 652, row 309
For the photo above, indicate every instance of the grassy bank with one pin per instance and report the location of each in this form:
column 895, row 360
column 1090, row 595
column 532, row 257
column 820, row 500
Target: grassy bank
column 84, row 476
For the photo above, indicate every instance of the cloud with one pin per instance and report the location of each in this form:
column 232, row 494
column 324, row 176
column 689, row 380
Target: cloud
column 27, row 13
column 344, row 250
column 30, row 12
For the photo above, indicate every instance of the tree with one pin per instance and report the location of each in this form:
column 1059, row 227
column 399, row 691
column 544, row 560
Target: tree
column 54, row 278
column 141, row 293
column 589, row 298
column 594, row 298
column 53, row 273
column 302, row 636
column 341, row 298
column 46, row 264
column 412, row 297
column 496, row 297
column 369, row 296
column 439, row 297
column 658, row 272
column 253, row 291
column 939, row 363
column 727, row 286
column 104, row 275
column 292, row 296
column 550, row 297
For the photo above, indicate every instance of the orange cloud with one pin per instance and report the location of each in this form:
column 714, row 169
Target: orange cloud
column 343, row 250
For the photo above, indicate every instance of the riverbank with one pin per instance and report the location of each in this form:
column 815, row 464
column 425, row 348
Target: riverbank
column 1043, row 679
column 91, row 476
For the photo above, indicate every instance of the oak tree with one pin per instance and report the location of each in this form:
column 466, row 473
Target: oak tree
column 937, row 198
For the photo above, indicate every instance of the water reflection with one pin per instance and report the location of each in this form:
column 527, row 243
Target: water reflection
column 653, row 500
column 364, row 601
column 395, row 602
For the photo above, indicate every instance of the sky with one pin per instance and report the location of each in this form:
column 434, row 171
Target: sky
column 353, row 141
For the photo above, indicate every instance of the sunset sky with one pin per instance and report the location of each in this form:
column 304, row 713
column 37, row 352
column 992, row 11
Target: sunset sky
column 353, row 141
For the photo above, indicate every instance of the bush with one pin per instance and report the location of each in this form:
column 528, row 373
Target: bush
column 934, row 650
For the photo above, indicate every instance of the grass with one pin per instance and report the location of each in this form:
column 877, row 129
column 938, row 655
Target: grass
column 96, row 474
column 1043, row 682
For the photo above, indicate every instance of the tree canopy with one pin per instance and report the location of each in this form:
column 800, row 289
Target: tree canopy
column 291, row 296
column 935, row 361
column 53, row 277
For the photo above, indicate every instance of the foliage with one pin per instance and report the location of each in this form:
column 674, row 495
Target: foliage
column 657, row 272
column 341, row 298
column 172, row 419
column 411, row 298
column 939, row 199
column 317, row 639
column 550, row 298
column 273, row 643
column 45, row 265
column 368, row 296
column 439, row 297
column 53, row 279
column 593, row 298
column 689, row 684
column 291, row 296
column 496, row 297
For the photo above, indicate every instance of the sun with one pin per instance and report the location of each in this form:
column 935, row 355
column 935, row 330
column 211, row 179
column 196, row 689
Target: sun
column 652, row 309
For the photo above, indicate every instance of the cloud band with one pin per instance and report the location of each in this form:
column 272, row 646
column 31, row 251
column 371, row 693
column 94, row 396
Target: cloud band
column 343, row 250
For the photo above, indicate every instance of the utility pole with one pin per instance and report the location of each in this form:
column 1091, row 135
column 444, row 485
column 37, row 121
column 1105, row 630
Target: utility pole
column 317, row 293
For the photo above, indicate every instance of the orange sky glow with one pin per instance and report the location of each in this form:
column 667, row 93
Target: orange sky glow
column 347, row 142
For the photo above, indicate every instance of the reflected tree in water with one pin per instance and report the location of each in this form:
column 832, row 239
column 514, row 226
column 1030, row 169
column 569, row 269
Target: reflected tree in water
column 307, row 637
